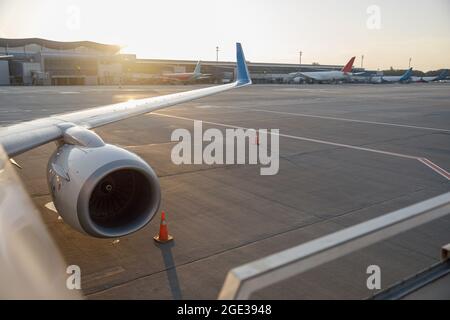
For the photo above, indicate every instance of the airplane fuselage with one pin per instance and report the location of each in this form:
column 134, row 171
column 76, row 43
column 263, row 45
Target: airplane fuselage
column 326, row 75
column 187, row 76
column 386, row 79
column 424, row 79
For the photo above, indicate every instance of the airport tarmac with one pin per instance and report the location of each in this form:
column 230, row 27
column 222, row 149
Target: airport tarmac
column 348, row 153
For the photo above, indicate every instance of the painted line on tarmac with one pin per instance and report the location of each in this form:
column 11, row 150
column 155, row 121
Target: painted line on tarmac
column 424, row 161
column 344, row 119
column 435, row 167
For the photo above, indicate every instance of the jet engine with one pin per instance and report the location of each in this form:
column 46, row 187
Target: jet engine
column 102, row 190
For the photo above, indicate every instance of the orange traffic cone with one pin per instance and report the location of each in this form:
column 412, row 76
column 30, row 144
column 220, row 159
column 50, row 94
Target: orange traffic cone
column 163, row 235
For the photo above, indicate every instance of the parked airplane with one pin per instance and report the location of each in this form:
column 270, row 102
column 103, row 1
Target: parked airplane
column 442, row 75
column 390, row 79
column 294, row 77
column 298, row 80
column 97, row 188
column 186, row 76
column 6, row 56
column 331, row 76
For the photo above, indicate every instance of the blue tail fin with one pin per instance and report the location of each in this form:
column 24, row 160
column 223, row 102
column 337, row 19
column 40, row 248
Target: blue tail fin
column 197, row 68
column 243, row 76
column 406, row 75
column 442, row 75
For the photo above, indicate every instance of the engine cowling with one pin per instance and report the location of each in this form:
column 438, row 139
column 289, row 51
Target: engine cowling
column 103, row 191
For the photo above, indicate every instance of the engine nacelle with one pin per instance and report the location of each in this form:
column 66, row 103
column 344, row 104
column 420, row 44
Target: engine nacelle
column 104, row 191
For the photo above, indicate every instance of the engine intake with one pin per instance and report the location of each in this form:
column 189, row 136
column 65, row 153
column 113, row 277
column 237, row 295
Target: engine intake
column 104, row 191
column 118, row 198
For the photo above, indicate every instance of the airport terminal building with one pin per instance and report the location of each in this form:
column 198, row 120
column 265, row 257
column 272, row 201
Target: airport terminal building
column 37, row 61
column 43, row 62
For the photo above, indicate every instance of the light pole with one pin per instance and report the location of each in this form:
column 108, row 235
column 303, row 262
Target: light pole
column 300, row 57
column 409, row 64
column 362, row 61
column 217, row 54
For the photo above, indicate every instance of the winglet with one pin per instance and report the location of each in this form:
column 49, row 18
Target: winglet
column 243, row 76
column 348, row 67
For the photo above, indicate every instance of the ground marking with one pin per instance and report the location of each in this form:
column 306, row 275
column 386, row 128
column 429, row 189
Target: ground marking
column 344, row 119
column 423, row 160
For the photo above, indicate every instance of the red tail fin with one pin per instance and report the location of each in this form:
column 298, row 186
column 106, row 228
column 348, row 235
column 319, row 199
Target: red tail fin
column 348, row 67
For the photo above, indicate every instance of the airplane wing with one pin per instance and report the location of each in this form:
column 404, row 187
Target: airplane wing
column 30, row 262
column 25, row 136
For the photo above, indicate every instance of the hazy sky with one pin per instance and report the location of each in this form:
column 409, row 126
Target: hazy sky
column 387, row 32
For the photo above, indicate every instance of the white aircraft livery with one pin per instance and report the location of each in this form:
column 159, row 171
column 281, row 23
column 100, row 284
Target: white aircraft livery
column 97, row 188
column 186, row 76
column 334, row 75
column 441, row 76
column 391, row 79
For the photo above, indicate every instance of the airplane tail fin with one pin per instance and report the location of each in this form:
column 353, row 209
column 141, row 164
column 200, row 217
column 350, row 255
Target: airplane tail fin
column 348, row 67
column 442, row 75
column 197, row 68
column 406, row 75
column 242, row 76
